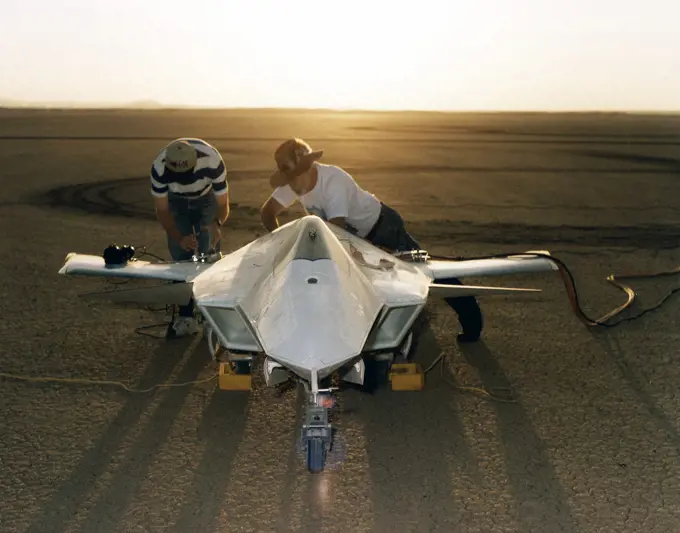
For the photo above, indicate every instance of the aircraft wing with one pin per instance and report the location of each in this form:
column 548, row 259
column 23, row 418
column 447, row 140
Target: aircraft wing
column 520, row 264
column 93, row 265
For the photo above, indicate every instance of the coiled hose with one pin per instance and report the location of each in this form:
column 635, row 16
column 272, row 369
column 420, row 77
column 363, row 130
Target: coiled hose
column 570, row 286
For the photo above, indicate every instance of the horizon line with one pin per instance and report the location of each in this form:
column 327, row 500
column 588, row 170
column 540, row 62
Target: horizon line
column 161, row 107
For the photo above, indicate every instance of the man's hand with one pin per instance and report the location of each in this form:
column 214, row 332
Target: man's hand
column 189, row 242
column 356, row 254
column 386, row 264
column 383, row 264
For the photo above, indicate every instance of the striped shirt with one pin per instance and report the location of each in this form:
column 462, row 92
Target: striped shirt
column 209, row 172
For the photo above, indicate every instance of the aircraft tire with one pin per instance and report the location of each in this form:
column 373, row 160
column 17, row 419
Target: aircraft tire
column 376, row 375
column 316, row 456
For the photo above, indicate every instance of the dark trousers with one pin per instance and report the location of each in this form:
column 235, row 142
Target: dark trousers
column 390, row 233
column 192, row 216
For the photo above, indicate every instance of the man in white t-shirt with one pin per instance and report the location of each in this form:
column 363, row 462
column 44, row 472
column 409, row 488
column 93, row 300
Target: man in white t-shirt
column 332, row 194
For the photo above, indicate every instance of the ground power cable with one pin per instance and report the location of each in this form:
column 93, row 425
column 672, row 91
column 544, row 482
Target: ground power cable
column 572, row 292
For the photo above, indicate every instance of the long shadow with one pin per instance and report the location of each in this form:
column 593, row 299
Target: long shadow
column 541, row 501
column 222, row 428
column 125, row 484
column 636, row 381
column 412, row 440
column 293, row 459
column 70, row 496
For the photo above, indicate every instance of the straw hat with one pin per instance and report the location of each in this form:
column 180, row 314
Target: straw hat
column 293, row 157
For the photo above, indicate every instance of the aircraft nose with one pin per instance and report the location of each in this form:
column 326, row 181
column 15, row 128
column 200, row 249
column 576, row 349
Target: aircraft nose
column 316, row 317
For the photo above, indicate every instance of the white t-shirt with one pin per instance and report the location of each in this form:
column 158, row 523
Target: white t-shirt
column 335, row 194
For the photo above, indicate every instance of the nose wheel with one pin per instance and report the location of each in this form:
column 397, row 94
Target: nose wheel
column 317, row 432
column 316, row 437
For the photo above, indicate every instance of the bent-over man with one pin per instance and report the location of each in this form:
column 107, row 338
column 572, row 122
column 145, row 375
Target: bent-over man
column 332, row 194
column 191, row 196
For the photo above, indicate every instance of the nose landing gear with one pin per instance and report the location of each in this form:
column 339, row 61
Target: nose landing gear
column 317, row 433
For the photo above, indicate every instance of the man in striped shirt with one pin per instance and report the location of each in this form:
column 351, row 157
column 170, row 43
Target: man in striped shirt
column 191, row 195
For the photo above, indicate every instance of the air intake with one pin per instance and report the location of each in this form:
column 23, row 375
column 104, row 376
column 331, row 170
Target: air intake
column 392, row 326
column 231, row 328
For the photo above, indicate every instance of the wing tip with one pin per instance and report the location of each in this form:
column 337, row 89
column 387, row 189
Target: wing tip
column 64, row 267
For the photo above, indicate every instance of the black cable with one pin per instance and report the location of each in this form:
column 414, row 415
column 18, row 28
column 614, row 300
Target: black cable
column 141, row 251
column 141, row 329
column 571, row 286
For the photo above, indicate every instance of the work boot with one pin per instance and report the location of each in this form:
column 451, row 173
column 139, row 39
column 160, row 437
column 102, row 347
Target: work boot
column 470, row 317
column 182, row 326
column 468, row 311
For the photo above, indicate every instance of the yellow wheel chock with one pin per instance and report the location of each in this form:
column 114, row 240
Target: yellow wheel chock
column 230, row 380
column 407, row 376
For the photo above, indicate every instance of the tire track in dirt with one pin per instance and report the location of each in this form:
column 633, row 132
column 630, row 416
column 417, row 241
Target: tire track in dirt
column 128, row 198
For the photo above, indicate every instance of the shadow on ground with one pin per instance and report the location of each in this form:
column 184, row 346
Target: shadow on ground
column 411, row 485
column 611, row 345
column 110, row 507
column 539, row 496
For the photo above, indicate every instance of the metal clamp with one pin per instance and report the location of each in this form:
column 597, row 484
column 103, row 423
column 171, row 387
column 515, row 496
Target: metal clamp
column 413, row 256
column 210, row 257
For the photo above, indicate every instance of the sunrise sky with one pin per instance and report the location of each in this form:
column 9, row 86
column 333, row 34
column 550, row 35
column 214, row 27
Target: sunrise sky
column 370, row 54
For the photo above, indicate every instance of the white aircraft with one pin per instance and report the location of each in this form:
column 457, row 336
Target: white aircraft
column 311, row 299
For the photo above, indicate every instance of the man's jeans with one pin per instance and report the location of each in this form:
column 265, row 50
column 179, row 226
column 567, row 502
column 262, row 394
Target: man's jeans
column 390, row 233
column 192, row 216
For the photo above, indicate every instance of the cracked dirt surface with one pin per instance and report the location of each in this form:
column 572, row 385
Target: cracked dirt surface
column 592, row 444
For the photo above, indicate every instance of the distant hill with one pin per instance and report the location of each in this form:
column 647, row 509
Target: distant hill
column 140, row 104
column 8, row 103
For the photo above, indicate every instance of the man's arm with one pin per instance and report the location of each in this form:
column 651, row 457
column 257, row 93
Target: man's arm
column 222, row 206
column 222, row 216
column 218, row 175
column 279, row 200
column 165, row 217
column 268, row 213
column 159, row 191
column 338, row 221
